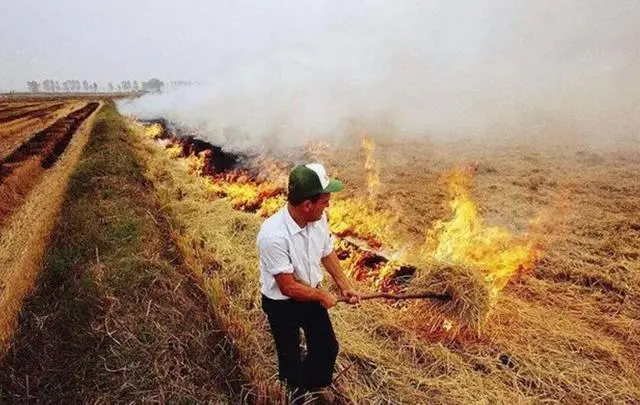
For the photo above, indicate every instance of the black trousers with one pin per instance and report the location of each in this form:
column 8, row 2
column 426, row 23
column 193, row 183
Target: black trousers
column 286, row 318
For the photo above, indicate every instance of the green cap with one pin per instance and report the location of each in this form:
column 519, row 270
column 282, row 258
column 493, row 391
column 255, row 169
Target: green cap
column 311, row 179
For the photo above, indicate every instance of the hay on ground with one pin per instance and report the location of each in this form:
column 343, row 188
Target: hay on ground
column 470, row 297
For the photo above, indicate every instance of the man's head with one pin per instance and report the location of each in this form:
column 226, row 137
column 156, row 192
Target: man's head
column 309, row 190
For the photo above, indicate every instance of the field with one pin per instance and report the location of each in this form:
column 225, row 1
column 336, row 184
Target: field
column 37, row 152
column 21, row 120
column 552, row 226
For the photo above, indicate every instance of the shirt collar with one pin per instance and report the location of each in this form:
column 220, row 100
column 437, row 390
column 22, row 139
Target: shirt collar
column 293, row 227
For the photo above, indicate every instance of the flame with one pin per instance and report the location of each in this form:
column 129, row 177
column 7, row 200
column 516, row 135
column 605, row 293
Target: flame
column 245, row 192
column 271, row 205
column 365, row 266
column 463, row 239
column 371, row 168
column 467, row 240
column 355, row 217
column 196, row 164
column 153, row 131
column 175, row 150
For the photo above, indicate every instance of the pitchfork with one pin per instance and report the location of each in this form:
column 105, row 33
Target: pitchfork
column 392, row 296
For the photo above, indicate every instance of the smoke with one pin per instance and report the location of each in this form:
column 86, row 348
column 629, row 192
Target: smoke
column 443, row 70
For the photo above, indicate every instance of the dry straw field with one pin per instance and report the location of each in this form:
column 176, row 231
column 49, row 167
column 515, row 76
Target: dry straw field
column 40, row 143
column 549, row 228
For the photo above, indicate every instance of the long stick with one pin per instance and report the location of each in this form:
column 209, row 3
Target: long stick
column 391, row 296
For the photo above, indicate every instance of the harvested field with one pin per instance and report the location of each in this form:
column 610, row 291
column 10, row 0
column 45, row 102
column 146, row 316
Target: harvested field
column 21, row 170
column 9, row 107
column 23, row 120
column 563, row 321
column 113, row 318
column 36, row 111
column 33, row 182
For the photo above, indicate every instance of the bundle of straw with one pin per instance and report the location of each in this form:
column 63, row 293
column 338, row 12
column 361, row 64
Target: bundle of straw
column 470, row 297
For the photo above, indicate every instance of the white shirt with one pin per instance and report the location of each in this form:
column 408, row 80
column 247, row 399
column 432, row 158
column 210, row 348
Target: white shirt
column 284, row 247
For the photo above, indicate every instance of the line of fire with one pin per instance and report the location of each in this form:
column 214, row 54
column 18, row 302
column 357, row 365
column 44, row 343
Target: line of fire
column 365, row 244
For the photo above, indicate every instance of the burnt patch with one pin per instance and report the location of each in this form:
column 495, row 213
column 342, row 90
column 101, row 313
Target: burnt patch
column 216, row 160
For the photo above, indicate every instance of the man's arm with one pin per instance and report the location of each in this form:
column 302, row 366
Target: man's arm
column 298, row 291
column 332, row 264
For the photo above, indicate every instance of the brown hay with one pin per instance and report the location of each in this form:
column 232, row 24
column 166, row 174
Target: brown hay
column 125, row 321
column 16, row 133
column 15, row 187
column 470, row 300
column 544, row 342
column 25, row 233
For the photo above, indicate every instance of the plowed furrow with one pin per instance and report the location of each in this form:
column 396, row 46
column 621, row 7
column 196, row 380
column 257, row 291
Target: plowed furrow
column 37, row 113
column 21, row 170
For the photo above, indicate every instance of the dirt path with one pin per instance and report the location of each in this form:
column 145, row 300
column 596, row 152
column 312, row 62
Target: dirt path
column 114, row 319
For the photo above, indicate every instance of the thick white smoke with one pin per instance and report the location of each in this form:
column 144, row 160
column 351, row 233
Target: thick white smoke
column 435, row 69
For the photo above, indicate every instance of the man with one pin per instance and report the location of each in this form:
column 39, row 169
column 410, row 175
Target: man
column 292, row 243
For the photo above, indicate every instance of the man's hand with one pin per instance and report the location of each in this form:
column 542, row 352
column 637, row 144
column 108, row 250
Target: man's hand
column 328, row 300
column 332, row 264
column 351, row 296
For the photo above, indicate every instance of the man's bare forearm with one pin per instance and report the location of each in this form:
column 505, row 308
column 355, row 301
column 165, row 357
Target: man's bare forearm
column 302, row 292
column 297, row 290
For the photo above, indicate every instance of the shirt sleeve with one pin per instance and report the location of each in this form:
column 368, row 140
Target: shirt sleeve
column 328, row 242
column 274, row 255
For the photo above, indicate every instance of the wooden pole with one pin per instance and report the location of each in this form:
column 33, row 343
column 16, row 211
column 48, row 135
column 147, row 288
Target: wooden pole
column 392, row 296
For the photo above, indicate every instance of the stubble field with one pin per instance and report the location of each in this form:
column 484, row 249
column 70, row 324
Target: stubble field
column 563, row 325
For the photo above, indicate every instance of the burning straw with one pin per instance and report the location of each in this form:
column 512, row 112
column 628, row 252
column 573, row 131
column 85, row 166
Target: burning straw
column 470, row 301
column 552, row 341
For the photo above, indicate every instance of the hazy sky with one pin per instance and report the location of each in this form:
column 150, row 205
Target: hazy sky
column 189, row 39
column 310, row 66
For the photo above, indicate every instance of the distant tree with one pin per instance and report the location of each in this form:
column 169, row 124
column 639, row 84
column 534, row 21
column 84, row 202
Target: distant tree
column 119, row 88
column 153, row 85
column 65, row 86
column 110, row 86
column 85, row 85
column 136, row 86
column 57, row 86
column 33, row 86
column 46, row 85
column 94, row 87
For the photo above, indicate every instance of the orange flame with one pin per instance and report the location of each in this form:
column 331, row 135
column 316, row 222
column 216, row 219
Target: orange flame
column 354, row 217
column 467, row 240
column 245, row 192
column 463, row 239
column 371, row 168
column 378, row 272
column 153, row 131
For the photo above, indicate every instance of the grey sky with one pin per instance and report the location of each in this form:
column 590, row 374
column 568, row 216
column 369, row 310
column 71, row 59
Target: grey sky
column 308, row 67
column 116, row 40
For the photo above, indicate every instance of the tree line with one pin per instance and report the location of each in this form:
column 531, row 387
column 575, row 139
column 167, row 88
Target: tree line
column 73, row 86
